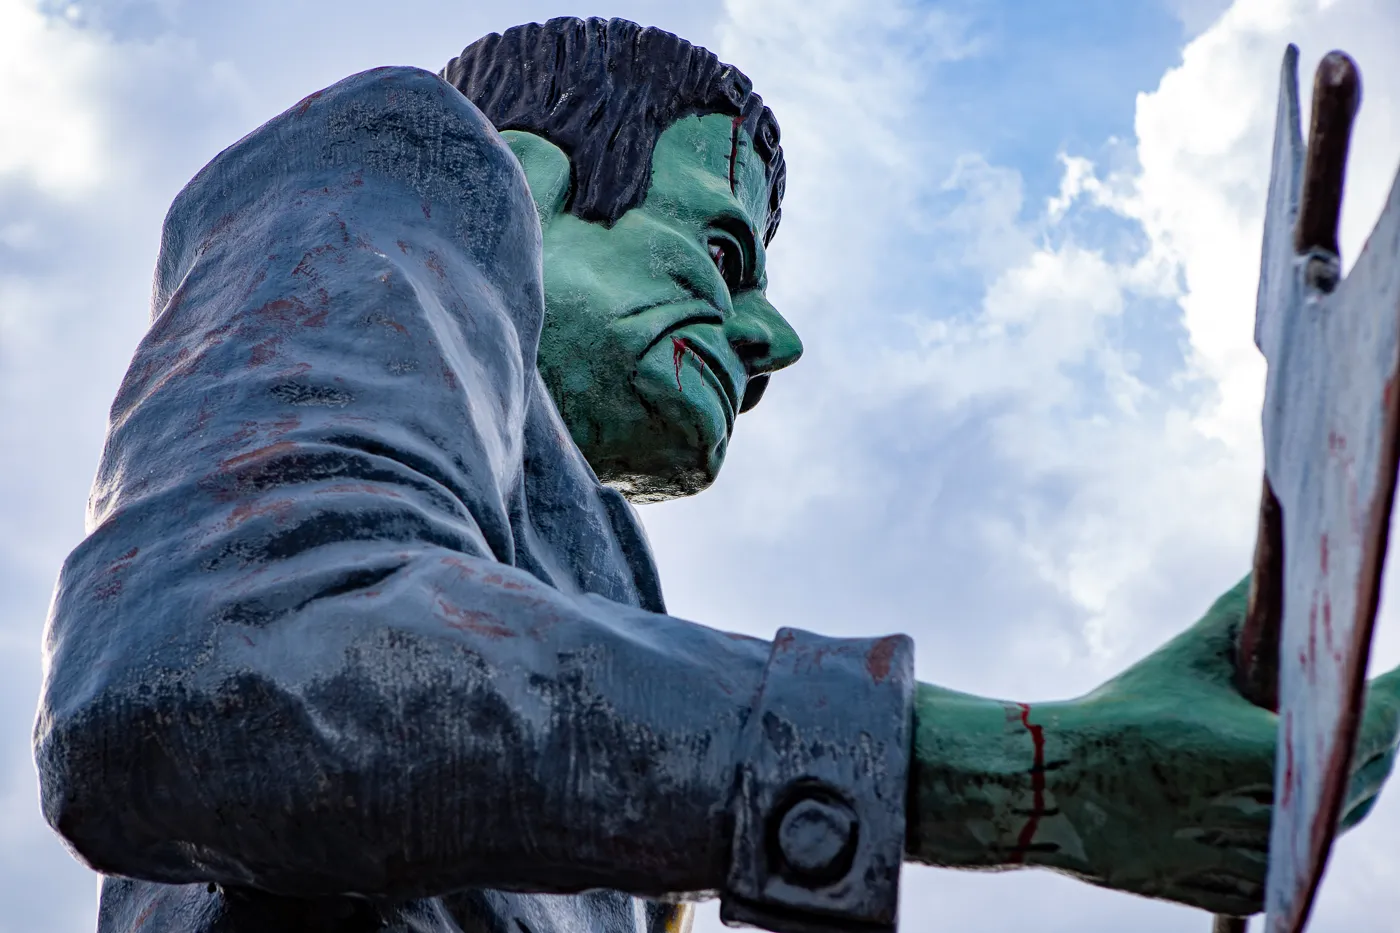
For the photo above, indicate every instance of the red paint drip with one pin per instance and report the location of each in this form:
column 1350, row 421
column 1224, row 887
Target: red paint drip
column 734, row 149
column 877, row 662
column 1287, row 759
column 678, row 348
column 1327, row 619
column 1037, row 786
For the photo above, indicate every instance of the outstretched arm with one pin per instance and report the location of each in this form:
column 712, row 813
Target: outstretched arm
column 1158, row 783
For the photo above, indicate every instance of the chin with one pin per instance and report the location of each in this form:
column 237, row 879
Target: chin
column 664, row 478
column 677, row 447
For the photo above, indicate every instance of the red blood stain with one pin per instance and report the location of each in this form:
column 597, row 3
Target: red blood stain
column 1389, row 391
column 270, row 450
column 110, row 584
column 282, row 426
column 278, row 509
column 496, row 579
column 734, row 148
column 474, row 620
column 678, row 350
column 306, row 102
column 427, row 209
column 1327, row 619
column 877, row 662
column 1309, row 657
column 263, row 351
column 258, row 279
column 289, row 311
column 144, row 916
column 1287, row 759
column 1324, row 553
column 1037, row 786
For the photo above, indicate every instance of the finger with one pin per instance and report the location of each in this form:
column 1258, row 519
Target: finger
column 1206, row 649
column 1365, row 787
column 1221, row 892
column 1355, row 814
column 1380, row 725
column 1251, row 802
column 1388, row 683
column 1244, row 840
column 1369, row 776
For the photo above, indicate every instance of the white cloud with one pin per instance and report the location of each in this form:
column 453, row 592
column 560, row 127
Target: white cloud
column 1117, row 493
column 1025, row 431
column 50, row 130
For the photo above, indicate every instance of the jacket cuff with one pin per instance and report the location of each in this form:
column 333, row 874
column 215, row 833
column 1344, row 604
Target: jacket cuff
column 822, row 781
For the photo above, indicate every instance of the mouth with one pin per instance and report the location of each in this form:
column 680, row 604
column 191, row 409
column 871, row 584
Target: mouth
column 681, row 347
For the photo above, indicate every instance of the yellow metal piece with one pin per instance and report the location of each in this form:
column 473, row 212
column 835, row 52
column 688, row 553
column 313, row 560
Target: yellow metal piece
column 678, row 919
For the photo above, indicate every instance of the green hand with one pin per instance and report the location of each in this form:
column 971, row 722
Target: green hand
column 1159, row 783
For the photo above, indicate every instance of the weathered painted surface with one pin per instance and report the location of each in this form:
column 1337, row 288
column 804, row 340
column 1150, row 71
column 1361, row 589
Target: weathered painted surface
column 359, row 641
column 1330, row 418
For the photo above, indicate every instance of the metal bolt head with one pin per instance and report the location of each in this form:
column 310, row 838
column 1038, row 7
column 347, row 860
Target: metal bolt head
column 817, row 839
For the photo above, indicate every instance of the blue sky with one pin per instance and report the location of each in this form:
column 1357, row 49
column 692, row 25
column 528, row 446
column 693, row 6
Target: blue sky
column 1020, row 241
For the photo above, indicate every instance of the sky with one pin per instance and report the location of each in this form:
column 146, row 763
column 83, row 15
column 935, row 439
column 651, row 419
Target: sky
column 1020, row 241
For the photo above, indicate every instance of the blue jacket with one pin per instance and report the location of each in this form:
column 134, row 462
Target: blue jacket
column 357, row 641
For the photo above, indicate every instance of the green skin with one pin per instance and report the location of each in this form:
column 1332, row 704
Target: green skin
column 1158, row 783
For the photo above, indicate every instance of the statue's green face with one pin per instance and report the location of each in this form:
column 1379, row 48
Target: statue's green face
column 656, row 327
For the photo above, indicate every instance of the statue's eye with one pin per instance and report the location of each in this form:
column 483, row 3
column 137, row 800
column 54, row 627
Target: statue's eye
column 728, row 262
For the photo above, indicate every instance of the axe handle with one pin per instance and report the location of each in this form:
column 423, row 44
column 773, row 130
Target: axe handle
column 1256, row 656
column 1336, row 98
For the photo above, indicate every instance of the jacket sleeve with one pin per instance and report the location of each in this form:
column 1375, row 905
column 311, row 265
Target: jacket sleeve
column 295, row 651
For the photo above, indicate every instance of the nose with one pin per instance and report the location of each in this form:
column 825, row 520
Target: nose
column 763, row 340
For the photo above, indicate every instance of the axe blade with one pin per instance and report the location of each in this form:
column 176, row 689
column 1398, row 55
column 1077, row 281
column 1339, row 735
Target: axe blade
column 1331, row 421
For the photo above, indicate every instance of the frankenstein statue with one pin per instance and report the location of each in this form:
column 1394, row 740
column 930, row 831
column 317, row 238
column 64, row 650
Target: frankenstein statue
column 365, row 634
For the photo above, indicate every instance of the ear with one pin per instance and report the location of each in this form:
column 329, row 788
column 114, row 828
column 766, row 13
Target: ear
column 547, row 171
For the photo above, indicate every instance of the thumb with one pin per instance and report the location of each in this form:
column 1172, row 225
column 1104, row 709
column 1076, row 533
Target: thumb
column 1381, row 718
column 1209, row 646
column 1203, row 655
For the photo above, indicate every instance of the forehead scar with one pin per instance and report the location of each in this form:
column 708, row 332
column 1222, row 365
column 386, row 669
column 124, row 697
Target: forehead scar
column 734, row 148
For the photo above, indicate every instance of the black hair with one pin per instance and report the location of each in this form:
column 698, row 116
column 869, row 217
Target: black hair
column 603, row 91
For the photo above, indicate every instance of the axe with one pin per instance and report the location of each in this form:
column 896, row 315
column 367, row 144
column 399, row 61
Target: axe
column 1331, row 422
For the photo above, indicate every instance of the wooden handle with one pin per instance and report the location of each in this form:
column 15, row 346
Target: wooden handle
column 1336, row 98
column 1256, row 659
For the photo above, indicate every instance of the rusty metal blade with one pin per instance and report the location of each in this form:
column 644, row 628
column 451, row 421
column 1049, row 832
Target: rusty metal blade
column 1257, row 650
column 1331, row 417
column 1281, row 209
column 1257, row 655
